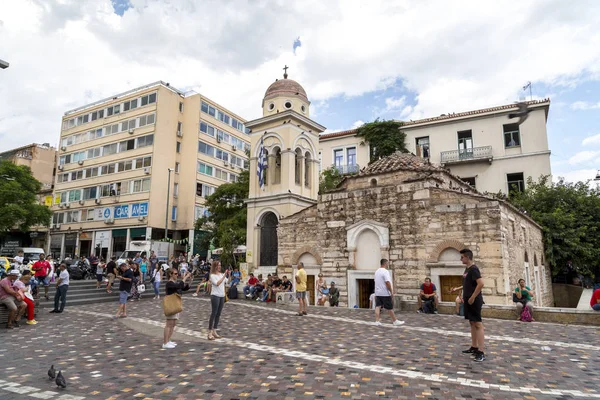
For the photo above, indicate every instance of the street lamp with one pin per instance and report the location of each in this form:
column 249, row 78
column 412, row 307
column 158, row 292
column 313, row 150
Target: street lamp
column 167, row 210
column 4, row 64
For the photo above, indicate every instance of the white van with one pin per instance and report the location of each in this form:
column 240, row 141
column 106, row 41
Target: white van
column 32, row 254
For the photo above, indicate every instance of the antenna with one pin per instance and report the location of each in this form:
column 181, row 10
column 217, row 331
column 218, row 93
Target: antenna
column 528, row 86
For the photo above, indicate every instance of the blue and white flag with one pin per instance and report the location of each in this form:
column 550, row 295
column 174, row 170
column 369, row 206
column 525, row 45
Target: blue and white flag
column 261, row 165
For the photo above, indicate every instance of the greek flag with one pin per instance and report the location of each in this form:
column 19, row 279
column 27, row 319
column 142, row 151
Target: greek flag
column 261, row 165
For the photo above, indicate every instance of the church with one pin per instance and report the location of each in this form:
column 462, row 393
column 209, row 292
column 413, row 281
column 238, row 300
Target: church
column 402, row 207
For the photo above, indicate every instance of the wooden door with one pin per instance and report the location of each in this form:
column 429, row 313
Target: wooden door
column 310, row 283
column 447, row 283
column 365, row 288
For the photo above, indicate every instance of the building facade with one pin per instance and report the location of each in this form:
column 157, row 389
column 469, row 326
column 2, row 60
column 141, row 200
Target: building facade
column 483, row 147
column 138, row 164
column 41, row 160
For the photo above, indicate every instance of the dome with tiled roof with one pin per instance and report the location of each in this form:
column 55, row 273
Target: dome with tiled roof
column 400, row 161
column 285, row 87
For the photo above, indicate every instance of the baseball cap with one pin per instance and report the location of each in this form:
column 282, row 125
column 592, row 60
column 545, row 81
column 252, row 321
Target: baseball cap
column 332, row 282
column 14, row 272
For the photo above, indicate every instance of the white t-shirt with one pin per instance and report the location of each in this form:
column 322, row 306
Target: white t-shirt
column 19, row 259
column 372, row 300
column 64, row 275
column 157, row 275
column 218, row 291
column 381, row 277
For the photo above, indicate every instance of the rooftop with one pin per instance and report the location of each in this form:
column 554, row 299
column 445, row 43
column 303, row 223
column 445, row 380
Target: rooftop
column 400, row 162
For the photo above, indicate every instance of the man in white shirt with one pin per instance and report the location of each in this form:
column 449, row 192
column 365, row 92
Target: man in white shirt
column 384, row 293
column 61, row 290
column 19, row 259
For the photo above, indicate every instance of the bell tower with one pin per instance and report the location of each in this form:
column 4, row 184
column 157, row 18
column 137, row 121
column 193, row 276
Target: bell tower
column 284, row 167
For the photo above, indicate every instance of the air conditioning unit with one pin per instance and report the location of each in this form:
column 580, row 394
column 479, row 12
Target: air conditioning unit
column 57, row 226
column 218, row 139
column 67, row 205
column 141, row 218
column 81, row 202
column 61, row 167
column 179, row 133
column 64, row 148
column 80, row 162
column 131, row 131
column 97, row 201
column 234, row 147
column 109, row 221
column 61, row 205
column 225, row 163
column 147, row 170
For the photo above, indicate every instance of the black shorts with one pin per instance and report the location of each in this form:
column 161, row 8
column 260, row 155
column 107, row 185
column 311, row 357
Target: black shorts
column 473, row 311
column 385, row 302
column 99, row 277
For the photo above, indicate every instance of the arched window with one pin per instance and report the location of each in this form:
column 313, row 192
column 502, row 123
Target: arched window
column 298, row 167
column 307, row 169
column 268, row 239
column 265, row 171
column 277, row 166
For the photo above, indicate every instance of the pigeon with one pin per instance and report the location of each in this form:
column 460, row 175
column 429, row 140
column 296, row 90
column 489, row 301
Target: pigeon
column 522, row 113
column 60, row 380
column 52, row 372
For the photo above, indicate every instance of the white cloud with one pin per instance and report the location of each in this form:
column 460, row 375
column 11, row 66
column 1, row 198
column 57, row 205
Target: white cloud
column 66, row 53
column 591, row 140
column 584, row 105
column 357, row 124
column 578, row 175
column 585, row 156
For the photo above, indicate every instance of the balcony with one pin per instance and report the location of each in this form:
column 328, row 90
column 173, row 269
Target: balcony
column 474, row 154
column 348, row 169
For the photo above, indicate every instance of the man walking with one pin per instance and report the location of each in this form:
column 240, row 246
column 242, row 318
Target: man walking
column 111, row 273
column 473, row 302
column 41, row 268
column 61, row 289
column 124, row 289
column 383, row 293
column 301, row 280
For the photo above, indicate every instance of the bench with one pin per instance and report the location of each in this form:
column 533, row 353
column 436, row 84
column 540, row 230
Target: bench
column 3, row 315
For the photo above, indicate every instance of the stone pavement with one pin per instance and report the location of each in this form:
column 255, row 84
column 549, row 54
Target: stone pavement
column 269, row 353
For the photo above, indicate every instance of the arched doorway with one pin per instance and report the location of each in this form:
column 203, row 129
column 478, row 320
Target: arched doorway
column 268, row 240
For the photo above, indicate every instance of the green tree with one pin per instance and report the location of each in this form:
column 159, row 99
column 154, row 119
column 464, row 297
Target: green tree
column 329, row 179
column 19, row 207
column 384, row 137
column 227, row 215
column 569, row 214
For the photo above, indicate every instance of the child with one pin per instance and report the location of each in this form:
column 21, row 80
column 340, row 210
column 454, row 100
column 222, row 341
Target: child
column 23, row 287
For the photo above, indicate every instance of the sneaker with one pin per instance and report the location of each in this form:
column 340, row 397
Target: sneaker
column 471, row 350
column 398, row 322
column 479, row 356
column 377, row 323
column 420, row 311
column 173, row 343
column 32, row 322
column 249, row 296
column 304, row 313
column 168, row 346
column 435, row 311
column 195, row 294
column 53, row 311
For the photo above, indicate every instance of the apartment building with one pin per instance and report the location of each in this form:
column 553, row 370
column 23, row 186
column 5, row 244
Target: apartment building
column 138, row 163
column 483, row 147
column 41, row 159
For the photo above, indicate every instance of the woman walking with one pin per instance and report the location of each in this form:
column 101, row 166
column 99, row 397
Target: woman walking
column 322, row 290
column 144, row 268
column 157, row 277
column 137, row 277
column 217, row 298
column 172, row 287
column 100, row 273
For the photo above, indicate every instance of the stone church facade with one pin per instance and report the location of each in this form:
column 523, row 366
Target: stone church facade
column 402, row 208
column 418, row 216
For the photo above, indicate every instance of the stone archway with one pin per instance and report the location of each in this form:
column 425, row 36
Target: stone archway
column 268, row 239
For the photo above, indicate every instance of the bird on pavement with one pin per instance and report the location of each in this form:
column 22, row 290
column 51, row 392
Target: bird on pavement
column 52, row 372
column 522, row 113
column 60, row 380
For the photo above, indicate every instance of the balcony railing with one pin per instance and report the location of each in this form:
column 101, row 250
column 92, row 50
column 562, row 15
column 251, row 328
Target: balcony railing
column 467, row 155
column 348, row 169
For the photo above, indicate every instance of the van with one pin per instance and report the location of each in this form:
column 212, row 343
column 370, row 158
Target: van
column 31, row 254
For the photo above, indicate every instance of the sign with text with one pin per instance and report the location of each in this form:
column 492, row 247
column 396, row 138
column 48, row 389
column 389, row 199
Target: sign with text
column 122, row 211
column 104, row 213
column 139, row 210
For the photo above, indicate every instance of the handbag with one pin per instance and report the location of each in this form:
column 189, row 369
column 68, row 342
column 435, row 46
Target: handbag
column 172, row 304
column 141, row 288
column 519, row 300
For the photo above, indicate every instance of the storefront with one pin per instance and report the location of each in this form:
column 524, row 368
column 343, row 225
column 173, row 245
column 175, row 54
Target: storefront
column 102, row 243
column 85, row 243
column 119, row 241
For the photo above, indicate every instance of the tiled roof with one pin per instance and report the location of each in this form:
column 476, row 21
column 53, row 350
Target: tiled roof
column 442, row 117
column 400, row 161
column 285, row 87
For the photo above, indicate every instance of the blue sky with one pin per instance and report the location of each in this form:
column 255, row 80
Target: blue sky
column 400, row 59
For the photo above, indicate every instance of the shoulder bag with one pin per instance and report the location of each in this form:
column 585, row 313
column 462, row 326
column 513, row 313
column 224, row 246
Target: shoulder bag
column 172, row 304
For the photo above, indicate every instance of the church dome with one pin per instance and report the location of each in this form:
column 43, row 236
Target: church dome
column 285, row 87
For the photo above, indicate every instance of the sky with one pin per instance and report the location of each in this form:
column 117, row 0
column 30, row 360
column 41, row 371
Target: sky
column 357, row 60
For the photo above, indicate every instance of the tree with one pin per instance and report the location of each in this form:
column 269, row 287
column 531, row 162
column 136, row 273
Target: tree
column 329, row 179
column 19, row 207
column 385, row 138
column 227, row 215
column 569, row 214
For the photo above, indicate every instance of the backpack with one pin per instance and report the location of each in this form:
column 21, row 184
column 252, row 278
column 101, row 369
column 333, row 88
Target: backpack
column 428, row 307
column 526, row 315
column 233, row 292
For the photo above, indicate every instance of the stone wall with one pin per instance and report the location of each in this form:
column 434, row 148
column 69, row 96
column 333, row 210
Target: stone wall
column 424, row 217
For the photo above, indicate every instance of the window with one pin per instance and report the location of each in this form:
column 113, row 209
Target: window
column 203, row 190
column 512, row 136
column 180, row 107
column 140, row 185
column 220, row 174
column 176, row 189
column 90, row 214
column 222, row 155
column 204, row 107
column 470, row 181
column 206, row 149
column 109, row 149
column 516, row 182
column 298, row 166
column 148, row 99
column 72, row 216
column 211, row 111
column 179, row 127
column 288, row 104
column 205, row 169
column 338, row 158
column 144, row 141
column 465, row 144
column 277, row 174
column 178, row 147
column 350, row 156
column 423, row 147
column 176, row 167
column 90, row 193
column 233, row 178
column 174, row 213
column 307, row 169
column 126, row 145
column 74, row 195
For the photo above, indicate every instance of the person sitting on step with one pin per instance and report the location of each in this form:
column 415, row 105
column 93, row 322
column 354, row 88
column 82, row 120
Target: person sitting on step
column 428, row 294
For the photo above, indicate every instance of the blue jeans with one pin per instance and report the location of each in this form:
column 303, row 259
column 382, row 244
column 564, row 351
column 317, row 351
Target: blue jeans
column 143, row 276
column 596, row 307
column 156, row 286
column 60, row 295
